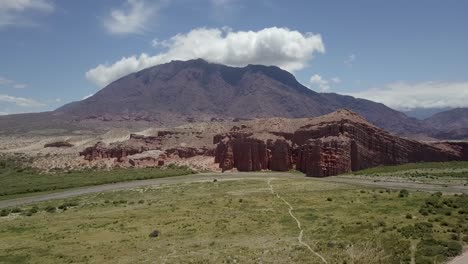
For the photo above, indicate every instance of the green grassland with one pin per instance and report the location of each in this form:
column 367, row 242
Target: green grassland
column 239, row 222
column 444, row 173
column 18, row 179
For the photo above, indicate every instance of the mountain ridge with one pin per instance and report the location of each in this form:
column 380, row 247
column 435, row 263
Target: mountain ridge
column 198, row 90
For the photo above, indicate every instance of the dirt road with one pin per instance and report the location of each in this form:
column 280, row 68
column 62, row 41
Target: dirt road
column 462, row 259
column 228, row 176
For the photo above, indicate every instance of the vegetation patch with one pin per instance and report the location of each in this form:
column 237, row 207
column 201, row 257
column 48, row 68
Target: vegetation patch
column 17, row 178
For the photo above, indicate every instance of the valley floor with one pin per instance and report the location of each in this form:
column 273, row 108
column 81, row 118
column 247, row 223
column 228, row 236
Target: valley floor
column 237, row 218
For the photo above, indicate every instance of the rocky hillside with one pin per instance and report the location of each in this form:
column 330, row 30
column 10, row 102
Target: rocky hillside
column 451, row 124
column 196, row 90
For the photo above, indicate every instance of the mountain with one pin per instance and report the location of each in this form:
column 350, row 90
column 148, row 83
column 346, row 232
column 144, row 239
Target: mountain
column 451, row 124
column 196, row 90
column 423, row 113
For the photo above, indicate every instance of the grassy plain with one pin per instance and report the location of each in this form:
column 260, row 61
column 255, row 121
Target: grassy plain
column 18, row 179
column 239, row 222
column 450, row 173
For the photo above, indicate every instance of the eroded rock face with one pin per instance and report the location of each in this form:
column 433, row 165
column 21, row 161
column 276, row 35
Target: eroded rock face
column 134, row 145
column 100, row 151
column 187, row 152
column 334, row 144
column 245, row 153
column 320, row 158
column 331, row 148
column 281, row 156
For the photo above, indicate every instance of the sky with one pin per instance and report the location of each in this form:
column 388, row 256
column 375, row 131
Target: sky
column 406, row 54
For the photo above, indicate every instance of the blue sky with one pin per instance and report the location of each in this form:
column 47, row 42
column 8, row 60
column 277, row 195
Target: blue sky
column 406, row 54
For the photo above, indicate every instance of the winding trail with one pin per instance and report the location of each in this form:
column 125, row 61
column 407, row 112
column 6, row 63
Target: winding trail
column 301, row 233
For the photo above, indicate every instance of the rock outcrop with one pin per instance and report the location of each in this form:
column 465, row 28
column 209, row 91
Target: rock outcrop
column 59, row 144
column 101, row 151
column 247, row 153
column 337, row 143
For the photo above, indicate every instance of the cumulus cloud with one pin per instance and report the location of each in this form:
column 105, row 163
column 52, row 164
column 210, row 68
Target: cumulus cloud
column 405, row 96
column 336, row 80
column 288, row 49
column 132, row 18
column 20, row 101
column 320, row 82
column 14, row 12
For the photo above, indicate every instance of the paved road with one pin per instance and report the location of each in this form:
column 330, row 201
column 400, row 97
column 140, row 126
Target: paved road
column 229, row 176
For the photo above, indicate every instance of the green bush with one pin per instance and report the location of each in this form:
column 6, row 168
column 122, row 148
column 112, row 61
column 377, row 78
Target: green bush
column 50, row 209
column 403, row 193
column 4, row 212
column 16, row 210
column 453, row 249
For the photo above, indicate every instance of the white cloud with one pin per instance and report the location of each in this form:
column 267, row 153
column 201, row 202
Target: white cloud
column 320, row 82
column 20, row 101
column 14, row 12
column 133, row 18
column 20, row 85
column 288, row 49
column 7, row 82
column 350, row 60
column 336, row 80
column 405, row 96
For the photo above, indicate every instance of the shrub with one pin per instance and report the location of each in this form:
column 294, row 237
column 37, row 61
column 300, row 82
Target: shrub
column 329, row 199
column 155, row 233
column 4, row 212
column 50, row 209
column 141, row 201
column 16, row 210
column 409, row 216
column 403, row 193
column 453, row 249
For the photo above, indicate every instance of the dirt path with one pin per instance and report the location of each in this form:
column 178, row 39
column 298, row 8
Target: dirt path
column 462, row 259
column 224, row 177
column 301, row 233
column 202, row 177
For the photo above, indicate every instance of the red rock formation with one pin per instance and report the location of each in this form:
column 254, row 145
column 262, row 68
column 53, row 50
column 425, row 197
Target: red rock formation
column 329, row 145
column 100, row 151
column 281, row 156
column 325, row 158
column 334, row 147
column 187, row 152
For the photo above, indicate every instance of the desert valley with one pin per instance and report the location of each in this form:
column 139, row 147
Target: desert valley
column 249, row 163
column 217, row 149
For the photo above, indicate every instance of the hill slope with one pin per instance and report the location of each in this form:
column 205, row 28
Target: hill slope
column 449, row 124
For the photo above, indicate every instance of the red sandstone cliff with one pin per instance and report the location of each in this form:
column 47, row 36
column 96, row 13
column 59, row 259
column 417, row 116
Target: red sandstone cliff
column 336, row 143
